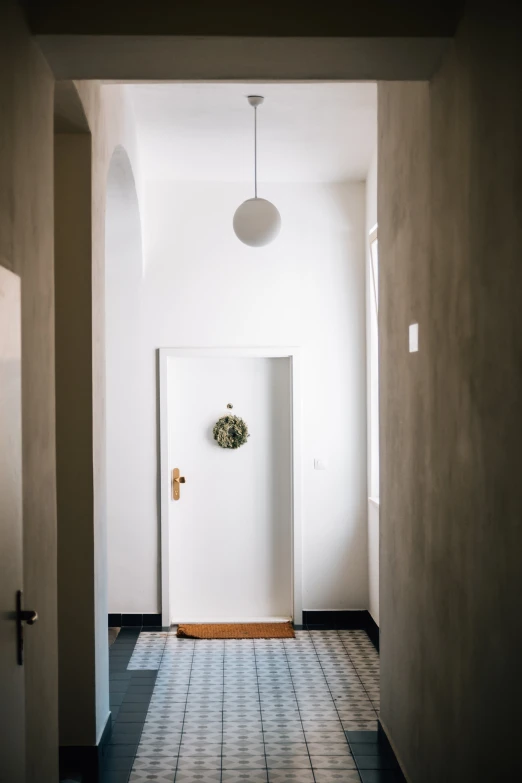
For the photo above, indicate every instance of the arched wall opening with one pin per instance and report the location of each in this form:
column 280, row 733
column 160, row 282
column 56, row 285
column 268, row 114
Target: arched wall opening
column 125, row 419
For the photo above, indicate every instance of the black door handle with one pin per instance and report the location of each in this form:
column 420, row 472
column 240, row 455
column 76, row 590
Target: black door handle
column 27, row 616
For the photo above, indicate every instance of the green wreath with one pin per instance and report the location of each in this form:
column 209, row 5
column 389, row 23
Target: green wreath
column 230, row 432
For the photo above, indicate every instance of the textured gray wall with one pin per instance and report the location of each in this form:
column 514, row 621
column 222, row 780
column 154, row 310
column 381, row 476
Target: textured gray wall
column 74, row 437
column 450, row 245
column 26, row 247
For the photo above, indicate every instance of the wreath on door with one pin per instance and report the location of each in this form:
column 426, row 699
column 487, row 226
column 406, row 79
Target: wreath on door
column 230, row 432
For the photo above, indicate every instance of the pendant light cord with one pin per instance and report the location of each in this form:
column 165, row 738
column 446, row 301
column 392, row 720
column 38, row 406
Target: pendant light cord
column 255, row 150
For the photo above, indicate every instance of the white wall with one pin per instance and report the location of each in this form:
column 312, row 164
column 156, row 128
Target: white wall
column 112, row 119
column 125, row 335
column 202, row 287
column 372, row 405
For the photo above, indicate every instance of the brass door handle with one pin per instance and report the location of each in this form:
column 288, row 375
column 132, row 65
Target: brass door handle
column 176, row 481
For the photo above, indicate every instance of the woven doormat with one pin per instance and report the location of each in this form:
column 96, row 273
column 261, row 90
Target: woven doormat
column 236, row 631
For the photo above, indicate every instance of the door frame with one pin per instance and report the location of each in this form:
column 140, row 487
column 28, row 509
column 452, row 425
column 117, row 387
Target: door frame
column 294, row 355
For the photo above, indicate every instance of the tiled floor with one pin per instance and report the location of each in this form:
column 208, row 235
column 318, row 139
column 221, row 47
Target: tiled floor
column 262, row 710
column 113, row 635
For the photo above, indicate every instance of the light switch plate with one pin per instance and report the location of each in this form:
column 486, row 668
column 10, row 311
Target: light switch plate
column 414, row 338
column 320, row 464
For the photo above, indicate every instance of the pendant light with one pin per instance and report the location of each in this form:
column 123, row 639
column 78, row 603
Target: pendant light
column 257, row 221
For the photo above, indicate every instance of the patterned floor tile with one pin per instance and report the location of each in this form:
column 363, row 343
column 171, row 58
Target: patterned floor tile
column 289, row 714
column 253, row 703
column 307, row 714
column 148, row 775
column 296, row 735
column 322, row 725
column 244, row 776
column 193, row 723
column 325, row 736
column 336, row 776
column 290, row 776
column 161, row 765
column 200, row 750
column 332, row 762
column 193, row 776
column 157, row 750
column 283, row 750
column 193, row 764
column 276, row 724
column 249, row 748
column 242, row 761
column 198, row 712
column 329, row 749
column 165, row 713
column 195, row 730
column 160, row 738
column 243, row 735
column 355, row 714
column 295, row 762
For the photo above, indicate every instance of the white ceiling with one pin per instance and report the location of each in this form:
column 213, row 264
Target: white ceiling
column 306, row 132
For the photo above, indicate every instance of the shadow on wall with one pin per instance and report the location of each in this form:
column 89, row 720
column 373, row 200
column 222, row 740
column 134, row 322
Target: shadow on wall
column 123, row 244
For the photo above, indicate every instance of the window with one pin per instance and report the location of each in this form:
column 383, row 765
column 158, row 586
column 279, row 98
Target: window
column 374, row 367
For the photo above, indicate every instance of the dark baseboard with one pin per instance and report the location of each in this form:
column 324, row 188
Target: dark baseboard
column 374, row 747
column 372, row 629
column 352, row 619
column 134, row 620
column 356, row 619
column 85, row 759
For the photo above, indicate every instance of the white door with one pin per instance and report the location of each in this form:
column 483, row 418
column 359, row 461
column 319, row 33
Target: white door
column 230, row 531
column 12, row 715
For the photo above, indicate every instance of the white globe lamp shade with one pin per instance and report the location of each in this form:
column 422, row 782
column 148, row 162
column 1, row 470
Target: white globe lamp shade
column 257, row 222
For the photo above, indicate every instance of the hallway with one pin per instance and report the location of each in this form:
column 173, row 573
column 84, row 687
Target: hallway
column 381, row 142
column 263, row 710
